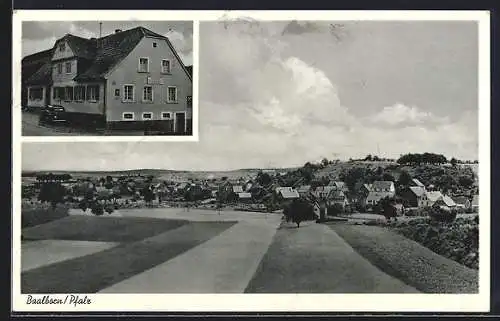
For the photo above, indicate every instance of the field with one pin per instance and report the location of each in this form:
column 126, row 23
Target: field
column 202, row 251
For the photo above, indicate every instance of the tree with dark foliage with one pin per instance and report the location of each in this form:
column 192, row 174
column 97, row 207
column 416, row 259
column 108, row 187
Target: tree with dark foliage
column 299, row 210
column 52, row 192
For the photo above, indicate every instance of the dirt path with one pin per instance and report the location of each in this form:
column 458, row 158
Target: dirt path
column 224, row 264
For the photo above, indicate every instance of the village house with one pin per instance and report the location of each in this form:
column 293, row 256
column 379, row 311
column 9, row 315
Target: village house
column 445, row 202
column 433, row 197
column 415, row 196
column 304, row 190
column 127, row 80
column 286, row 194
column 462, row 202
column 475, row 203
column 245, row 197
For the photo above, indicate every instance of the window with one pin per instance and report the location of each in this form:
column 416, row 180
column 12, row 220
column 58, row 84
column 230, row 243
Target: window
column 172, row 94
column 189, row 100
column 143, row 64
column 36, row 93
column 62, row 46
column 128, row 93
column 58, row 93
column 147, row 94
column 117, row 92
column 68, row 93
column 68, row 67
column 128, row 116
column 154, row 44
column 166, row 115
column 165, row 66
column 59, row 68
column 147, row 116
column 79, row 93
column 93, row 92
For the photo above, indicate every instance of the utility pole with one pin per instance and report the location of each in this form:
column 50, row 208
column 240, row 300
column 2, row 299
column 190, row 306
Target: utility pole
column 100, row 29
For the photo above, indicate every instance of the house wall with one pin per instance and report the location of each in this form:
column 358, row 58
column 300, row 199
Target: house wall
column 66, row 79
column 66, row 53
column 86, row 106
column 127, row 73
column 38, row 103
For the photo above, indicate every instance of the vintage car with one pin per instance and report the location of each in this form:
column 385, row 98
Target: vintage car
column 53, row 114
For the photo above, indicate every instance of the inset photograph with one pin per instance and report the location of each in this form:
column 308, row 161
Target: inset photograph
column 112, row 78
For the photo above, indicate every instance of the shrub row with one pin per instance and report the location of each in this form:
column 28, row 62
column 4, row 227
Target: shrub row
column 458, row 240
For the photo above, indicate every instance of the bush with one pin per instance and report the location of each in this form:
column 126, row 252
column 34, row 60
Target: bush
column 335, row 210
column 443, row 215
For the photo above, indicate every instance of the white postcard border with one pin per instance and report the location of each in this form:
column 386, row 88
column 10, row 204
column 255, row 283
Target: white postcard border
column 261, row 302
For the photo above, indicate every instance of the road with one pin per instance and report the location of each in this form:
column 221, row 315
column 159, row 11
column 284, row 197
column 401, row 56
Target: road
column 257, row 254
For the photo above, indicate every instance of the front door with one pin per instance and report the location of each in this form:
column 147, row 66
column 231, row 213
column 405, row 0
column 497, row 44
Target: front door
column 180, row 123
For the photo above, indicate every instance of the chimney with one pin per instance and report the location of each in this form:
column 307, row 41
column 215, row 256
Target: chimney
column 118, row 30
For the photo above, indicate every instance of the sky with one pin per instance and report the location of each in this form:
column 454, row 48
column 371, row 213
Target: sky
column 41, row 35
column 279, row 94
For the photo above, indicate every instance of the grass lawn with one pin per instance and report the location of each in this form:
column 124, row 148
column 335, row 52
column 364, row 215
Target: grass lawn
column 94, row 272
column 407, row 260
column 313, row 259
column 101, row 228
column 40, row 215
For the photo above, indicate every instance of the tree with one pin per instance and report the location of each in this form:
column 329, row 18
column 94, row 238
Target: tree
column 388, row 177
column 148, row 194
column 368, row 157
column 299, row 210
column 453, row 162
column 52, row 192
column 404, row 178
column 324, row 162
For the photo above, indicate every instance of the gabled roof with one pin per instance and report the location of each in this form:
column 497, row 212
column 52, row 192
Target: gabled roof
column 339, row 185
column 244, row 195
column 434, row 195
column 417, row 182
column 81, row 47
column 43, row 76
column 32, row 64
column 237, row 189
column 190, row 70
column 460, row 200
column 447, row 201
column 377, row 196
column 417, row 190
column 289, row 193
column 382, row 185
column 304, row 188
column 106, row 52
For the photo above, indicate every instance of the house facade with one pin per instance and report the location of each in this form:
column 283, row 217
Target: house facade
column 128, row 79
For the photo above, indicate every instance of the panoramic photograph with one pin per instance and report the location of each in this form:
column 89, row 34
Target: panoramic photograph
column 114, row 78
column 334, row 157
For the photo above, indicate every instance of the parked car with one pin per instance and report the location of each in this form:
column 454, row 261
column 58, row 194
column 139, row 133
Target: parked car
column 53, row 114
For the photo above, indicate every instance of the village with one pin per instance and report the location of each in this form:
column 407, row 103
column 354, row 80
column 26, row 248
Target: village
column 331, row 191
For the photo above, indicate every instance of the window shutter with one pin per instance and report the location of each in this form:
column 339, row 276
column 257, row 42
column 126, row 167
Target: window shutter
column 97, row 92
column 88, row 92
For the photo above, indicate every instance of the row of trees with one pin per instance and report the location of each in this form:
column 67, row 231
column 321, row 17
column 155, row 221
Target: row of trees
column 425, row 158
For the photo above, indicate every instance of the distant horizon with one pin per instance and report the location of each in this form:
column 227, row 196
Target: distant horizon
column 209, row 170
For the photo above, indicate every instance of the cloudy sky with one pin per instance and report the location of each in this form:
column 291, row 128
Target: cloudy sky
column 38, row 36
column 284, row 93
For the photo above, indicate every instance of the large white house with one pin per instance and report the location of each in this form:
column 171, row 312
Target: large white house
column 127, row 79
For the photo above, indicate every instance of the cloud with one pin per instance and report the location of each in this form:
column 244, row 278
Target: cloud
column 263, row 104
column 402, row 115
